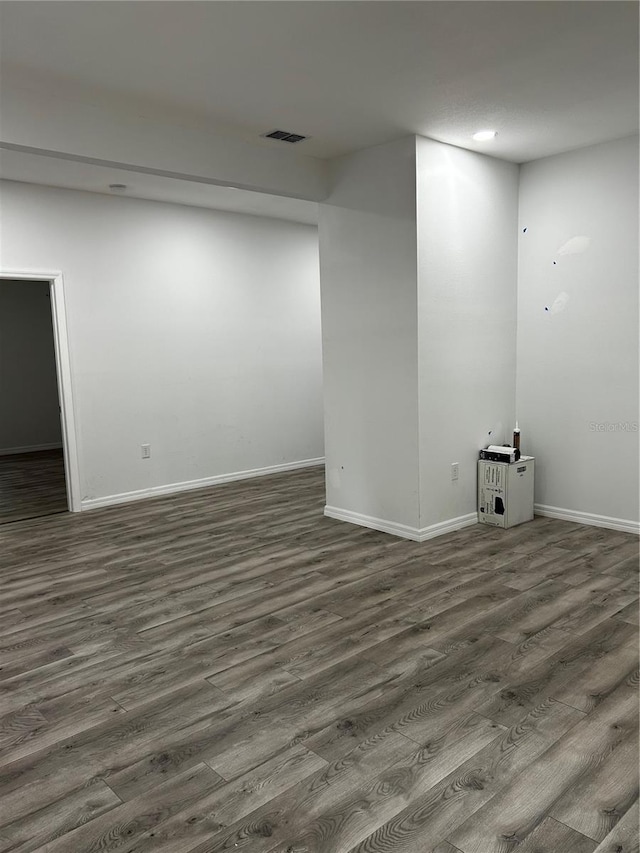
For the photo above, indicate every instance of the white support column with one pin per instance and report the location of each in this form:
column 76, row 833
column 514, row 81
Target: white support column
column 418, row 270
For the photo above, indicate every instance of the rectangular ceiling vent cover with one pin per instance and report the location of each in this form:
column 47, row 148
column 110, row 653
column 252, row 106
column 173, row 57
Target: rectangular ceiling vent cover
column 284, row 136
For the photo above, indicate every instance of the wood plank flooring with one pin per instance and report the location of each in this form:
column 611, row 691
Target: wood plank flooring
column 31, row 485
column 227, row 669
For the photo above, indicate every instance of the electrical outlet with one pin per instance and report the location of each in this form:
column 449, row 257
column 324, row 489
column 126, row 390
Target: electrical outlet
column 146, row 451
column 455, row 470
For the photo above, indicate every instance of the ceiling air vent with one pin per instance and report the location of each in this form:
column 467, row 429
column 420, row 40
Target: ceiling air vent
column 284, row 136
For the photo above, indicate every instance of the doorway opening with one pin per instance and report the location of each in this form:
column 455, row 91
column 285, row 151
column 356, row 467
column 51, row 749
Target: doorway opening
column 38, row 459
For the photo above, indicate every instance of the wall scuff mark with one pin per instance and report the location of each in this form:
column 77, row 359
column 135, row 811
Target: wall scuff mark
column 575, row 246
column 559, row 303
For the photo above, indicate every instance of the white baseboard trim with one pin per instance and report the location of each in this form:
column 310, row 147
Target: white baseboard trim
column 381, row 524
column 622, row 524
column 29, row 448
column 395, row 529
column 189, row 485
column 448, row 526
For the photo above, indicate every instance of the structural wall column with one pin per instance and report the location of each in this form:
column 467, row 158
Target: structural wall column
column 418, row 276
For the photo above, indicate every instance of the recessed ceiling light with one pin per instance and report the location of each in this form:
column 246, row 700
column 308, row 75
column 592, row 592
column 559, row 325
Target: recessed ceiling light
column 117, row 188
column 484, row 135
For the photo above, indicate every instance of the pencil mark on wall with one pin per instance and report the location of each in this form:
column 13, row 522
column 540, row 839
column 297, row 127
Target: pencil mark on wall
column 575, row 246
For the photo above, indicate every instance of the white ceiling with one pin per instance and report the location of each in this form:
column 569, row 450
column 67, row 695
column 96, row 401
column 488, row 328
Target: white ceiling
column 549, row 76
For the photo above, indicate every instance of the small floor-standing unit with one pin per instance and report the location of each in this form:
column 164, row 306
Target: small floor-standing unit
column 505, row 492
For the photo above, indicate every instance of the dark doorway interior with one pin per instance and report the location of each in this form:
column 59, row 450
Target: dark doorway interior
column 32, row 476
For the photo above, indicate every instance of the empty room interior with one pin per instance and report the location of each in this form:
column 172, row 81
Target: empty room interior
column 319, row 443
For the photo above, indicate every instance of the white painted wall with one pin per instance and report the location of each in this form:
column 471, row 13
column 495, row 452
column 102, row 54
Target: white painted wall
column 195, row 331
column 29, row 416
column 369, row 325
column 578, row 361
column 467, row 268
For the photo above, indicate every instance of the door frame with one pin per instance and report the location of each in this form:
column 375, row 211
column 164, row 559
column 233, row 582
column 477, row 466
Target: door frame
column 63, row 372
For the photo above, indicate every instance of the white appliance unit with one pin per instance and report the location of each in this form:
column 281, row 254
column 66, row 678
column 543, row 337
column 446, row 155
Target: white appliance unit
column 505, row 492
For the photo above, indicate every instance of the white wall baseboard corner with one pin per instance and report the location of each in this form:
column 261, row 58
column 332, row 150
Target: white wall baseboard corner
column 448, row 526
column 29, row 448
column 622, row 524
column 396, row 529
column 189, row 485
column 381, row 524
